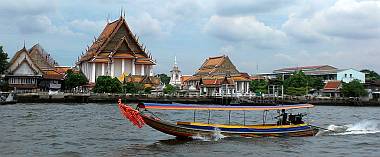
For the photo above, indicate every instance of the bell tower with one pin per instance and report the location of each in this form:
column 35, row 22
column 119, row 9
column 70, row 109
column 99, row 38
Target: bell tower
column 175, row 78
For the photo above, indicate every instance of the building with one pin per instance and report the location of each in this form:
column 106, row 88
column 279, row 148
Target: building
column 327, row 72
column 116, row 52
column 332, row 89
column 219, row 77
column 373, row 89
column 34, row 70
column 176, row 75
column 348, row 75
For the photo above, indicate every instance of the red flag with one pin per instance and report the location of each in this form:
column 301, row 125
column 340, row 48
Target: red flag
column 131, row 114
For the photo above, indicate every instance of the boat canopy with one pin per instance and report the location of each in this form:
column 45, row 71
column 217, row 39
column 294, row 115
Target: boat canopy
column 223, row 107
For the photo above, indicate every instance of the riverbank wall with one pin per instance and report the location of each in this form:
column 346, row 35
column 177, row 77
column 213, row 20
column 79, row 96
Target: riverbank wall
column 113, row 98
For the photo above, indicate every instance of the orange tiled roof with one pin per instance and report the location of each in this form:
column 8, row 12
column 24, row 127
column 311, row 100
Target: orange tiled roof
column 108, row 36
column 100, row 60
column 52, row 74
column 332, row 85
column 62, row 70
column 185, row 78
column 123, row 55
column 144, row 62
column 214, row 61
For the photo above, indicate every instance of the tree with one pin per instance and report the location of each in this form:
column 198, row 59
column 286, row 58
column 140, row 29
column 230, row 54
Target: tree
column 370, row 74
column 3, row 60
column 258, row 86
column 165, row 79
column 353, row 89
column 296, row 84
column 148, row 90
column 169, row 89
column 73, row 80
column 133, row 88
column 106, row 84
column 316, row 82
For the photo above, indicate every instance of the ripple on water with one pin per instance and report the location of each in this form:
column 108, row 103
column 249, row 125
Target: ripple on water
column 100, row 130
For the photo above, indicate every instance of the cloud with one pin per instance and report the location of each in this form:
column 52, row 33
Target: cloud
column 146, row 25
column 346, row 19
column 243, row 28
column 244, row 7
column 87, row 26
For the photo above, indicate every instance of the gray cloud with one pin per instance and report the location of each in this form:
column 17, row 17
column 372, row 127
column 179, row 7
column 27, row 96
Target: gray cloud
column 244, row 29
column 241, row 7
column 346, row 19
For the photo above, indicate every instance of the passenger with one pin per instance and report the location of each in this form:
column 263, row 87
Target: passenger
column 283, row 118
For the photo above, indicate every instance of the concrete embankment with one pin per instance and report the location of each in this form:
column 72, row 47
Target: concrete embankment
column 112, row 98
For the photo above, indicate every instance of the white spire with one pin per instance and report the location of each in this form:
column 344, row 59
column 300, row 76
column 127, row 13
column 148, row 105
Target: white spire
column 175, row 60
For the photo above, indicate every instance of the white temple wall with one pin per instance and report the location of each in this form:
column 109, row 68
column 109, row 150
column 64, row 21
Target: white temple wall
column 138, row 69
column 98, row 67
column 127, row 66
column 117, row 67
column 24, row 69
column 147, row 69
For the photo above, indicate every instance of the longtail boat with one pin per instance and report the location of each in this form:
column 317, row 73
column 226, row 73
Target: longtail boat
column 287, row 125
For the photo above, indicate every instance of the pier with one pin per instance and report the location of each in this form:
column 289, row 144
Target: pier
column 112, row 98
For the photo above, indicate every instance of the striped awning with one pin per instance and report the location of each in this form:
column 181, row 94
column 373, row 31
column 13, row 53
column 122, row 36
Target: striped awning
column 223, row 107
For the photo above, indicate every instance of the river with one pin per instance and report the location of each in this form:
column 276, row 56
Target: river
column 99, row 130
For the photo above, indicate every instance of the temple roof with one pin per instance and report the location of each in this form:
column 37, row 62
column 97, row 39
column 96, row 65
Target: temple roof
column 117, row 41
column 220, row 65
column 39, row 61
column 41, row 58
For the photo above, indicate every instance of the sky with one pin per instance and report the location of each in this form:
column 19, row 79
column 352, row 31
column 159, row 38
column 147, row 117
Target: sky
column 257, row 35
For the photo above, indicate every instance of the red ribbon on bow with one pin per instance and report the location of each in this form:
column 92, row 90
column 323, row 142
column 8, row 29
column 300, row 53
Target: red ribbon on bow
column 131, row 114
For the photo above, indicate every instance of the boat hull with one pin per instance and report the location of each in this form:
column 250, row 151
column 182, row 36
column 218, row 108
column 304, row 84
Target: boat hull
column 196, row 130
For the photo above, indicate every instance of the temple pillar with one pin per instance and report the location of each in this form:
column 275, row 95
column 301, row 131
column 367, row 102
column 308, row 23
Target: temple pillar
column 150, row 70
column 133, row 67
column 93, row 73
column 103, row 69
column 112, row 68
column 142, row 69
column 122, row 66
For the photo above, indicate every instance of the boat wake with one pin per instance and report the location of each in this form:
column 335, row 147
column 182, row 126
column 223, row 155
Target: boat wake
column 217, row 135
column 362, row 127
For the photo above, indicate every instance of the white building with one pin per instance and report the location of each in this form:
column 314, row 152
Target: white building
column 175, row 78
column 348, row 75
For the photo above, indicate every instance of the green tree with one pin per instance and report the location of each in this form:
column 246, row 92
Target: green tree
column 370, row 74
column 316, row 82
column 296, row 84
column 148, row 90
column 258, row 86
column 169, row 89
column 133, row 88
column 165, row 79
column 3, row 60
column 73, row 80
column 353, row 89
column 106, row 84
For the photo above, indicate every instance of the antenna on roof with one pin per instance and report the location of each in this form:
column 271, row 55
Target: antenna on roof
column 24, row 44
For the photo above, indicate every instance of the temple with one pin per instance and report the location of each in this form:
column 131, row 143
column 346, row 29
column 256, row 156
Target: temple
column 219, row 77
column 34, row 70
column 116, row 53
